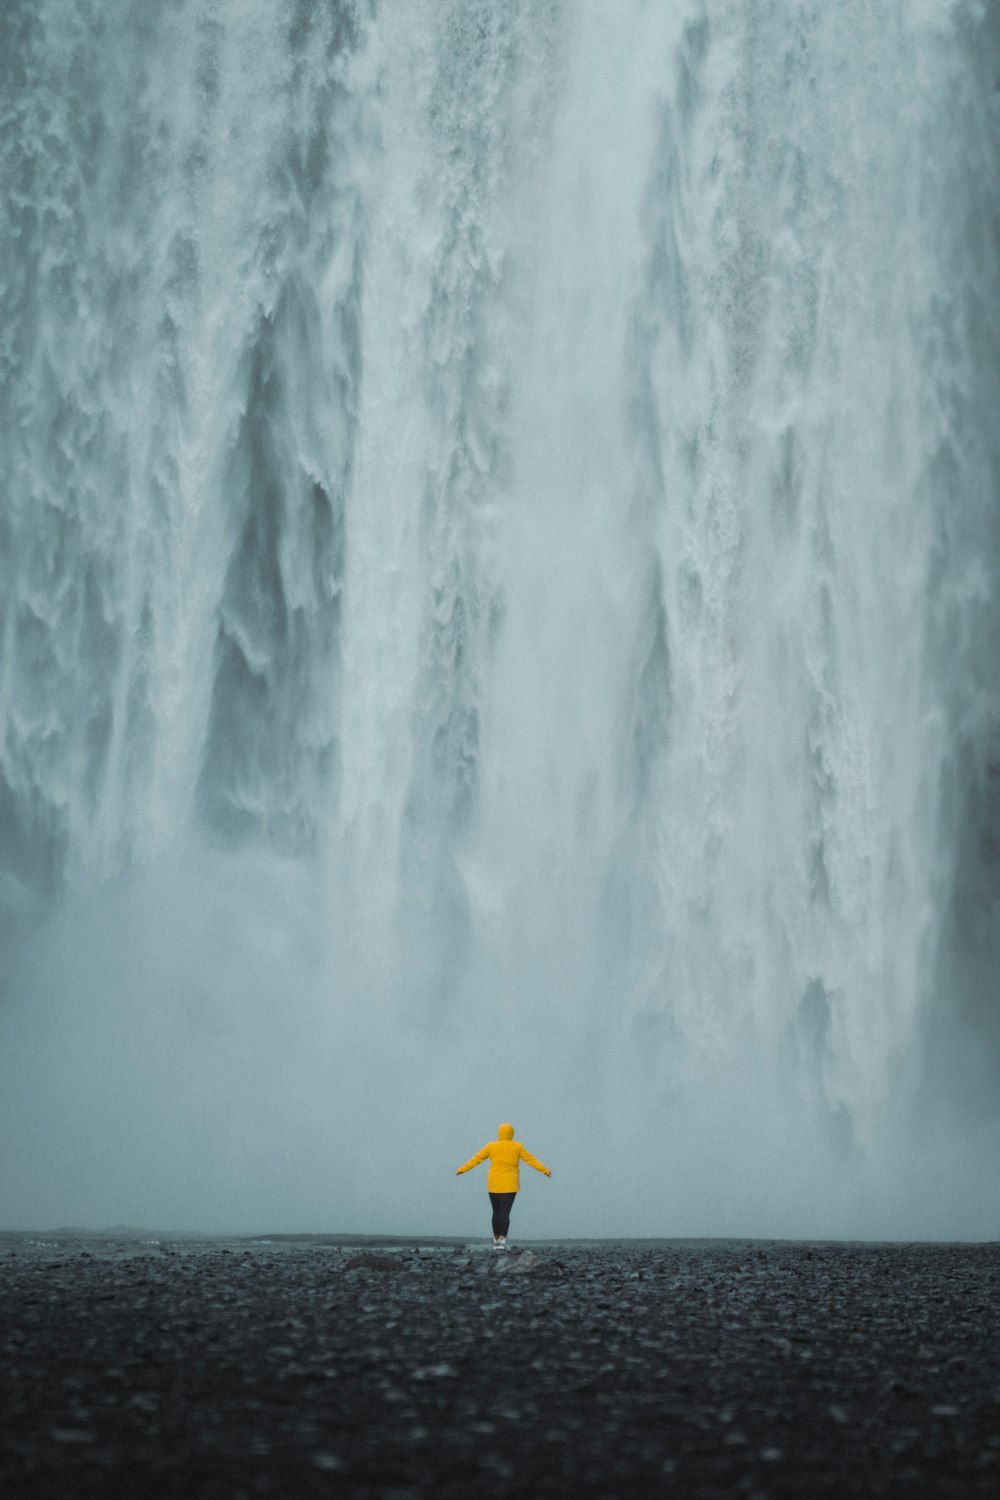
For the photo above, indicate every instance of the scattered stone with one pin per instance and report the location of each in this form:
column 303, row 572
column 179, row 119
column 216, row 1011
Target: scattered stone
column 614, row 1369
column 328, row 1462
column 373, row 1263
column 441, row 1371
column 518, row 1265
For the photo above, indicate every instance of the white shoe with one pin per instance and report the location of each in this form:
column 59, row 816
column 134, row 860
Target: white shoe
column 498, row 1243
column 501, row 1243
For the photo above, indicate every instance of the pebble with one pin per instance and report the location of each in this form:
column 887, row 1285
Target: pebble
column 714, row 1368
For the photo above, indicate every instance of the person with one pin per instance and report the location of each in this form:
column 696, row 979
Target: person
column 505, row 1155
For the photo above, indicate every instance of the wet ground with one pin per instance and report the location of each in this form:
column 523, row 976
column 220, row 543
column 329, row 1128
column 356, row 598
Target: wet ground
column 304, row 1367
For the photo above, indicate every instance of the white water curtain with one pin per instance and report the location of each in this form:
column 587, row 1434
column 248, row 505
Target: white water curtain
column 498, row 608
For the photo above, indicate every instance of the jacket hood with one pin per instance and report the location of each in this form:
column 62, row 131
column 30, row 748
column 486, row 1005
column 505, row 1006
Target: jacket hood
column 505, row 1133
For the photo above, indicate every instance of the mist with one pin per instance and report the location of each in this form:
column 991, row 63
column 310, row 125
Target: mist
column 170, row 1065
column 499, row 616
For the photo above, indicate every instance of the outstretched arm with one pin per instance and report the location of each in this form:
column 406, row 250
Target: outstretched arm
column 533, row 1161
column 473, row 1161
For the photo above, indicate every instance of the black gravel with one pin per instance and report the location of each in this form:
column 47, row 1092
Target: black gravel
column 301, row 1368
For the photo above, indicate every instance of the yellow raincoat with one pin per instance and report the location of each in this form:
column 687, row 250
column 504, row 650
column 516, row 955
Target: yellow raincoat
column 504, row 1154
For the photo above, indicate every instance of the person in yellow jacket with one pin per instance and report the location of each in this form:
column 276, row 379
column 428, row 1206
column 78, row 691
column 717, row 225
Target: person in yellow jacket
column 505, row 1155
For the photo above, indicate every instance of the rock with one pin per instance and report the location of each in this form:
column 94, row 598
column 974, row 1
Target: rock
column 442, row 1371
column 373, row 1263
column 518, row 1265
column 329, row 1462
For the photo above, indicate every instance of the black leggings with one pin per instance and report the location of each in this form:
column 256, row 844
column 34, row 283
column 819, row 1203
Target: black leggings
column 502, row 1205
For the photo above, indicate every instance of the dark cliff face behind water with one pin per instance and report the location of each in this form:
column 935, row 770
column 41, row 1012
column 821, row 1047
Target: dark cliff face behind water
column 500, row 517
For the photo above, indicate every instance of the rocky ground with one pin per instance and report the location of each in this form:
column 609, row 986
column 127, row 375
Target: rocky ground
column 302, row 1368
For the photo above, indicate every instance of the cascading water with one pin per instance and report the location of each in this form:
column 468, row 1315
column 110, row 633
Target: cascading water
column 500, row 613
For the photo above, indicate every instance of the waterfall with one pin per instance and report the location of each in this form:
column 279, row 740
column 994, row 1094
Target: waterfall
column 500, row 611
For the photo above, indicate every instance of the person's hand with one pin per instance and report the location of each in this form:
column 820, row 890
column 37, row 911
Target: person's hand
column 549, row 1172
